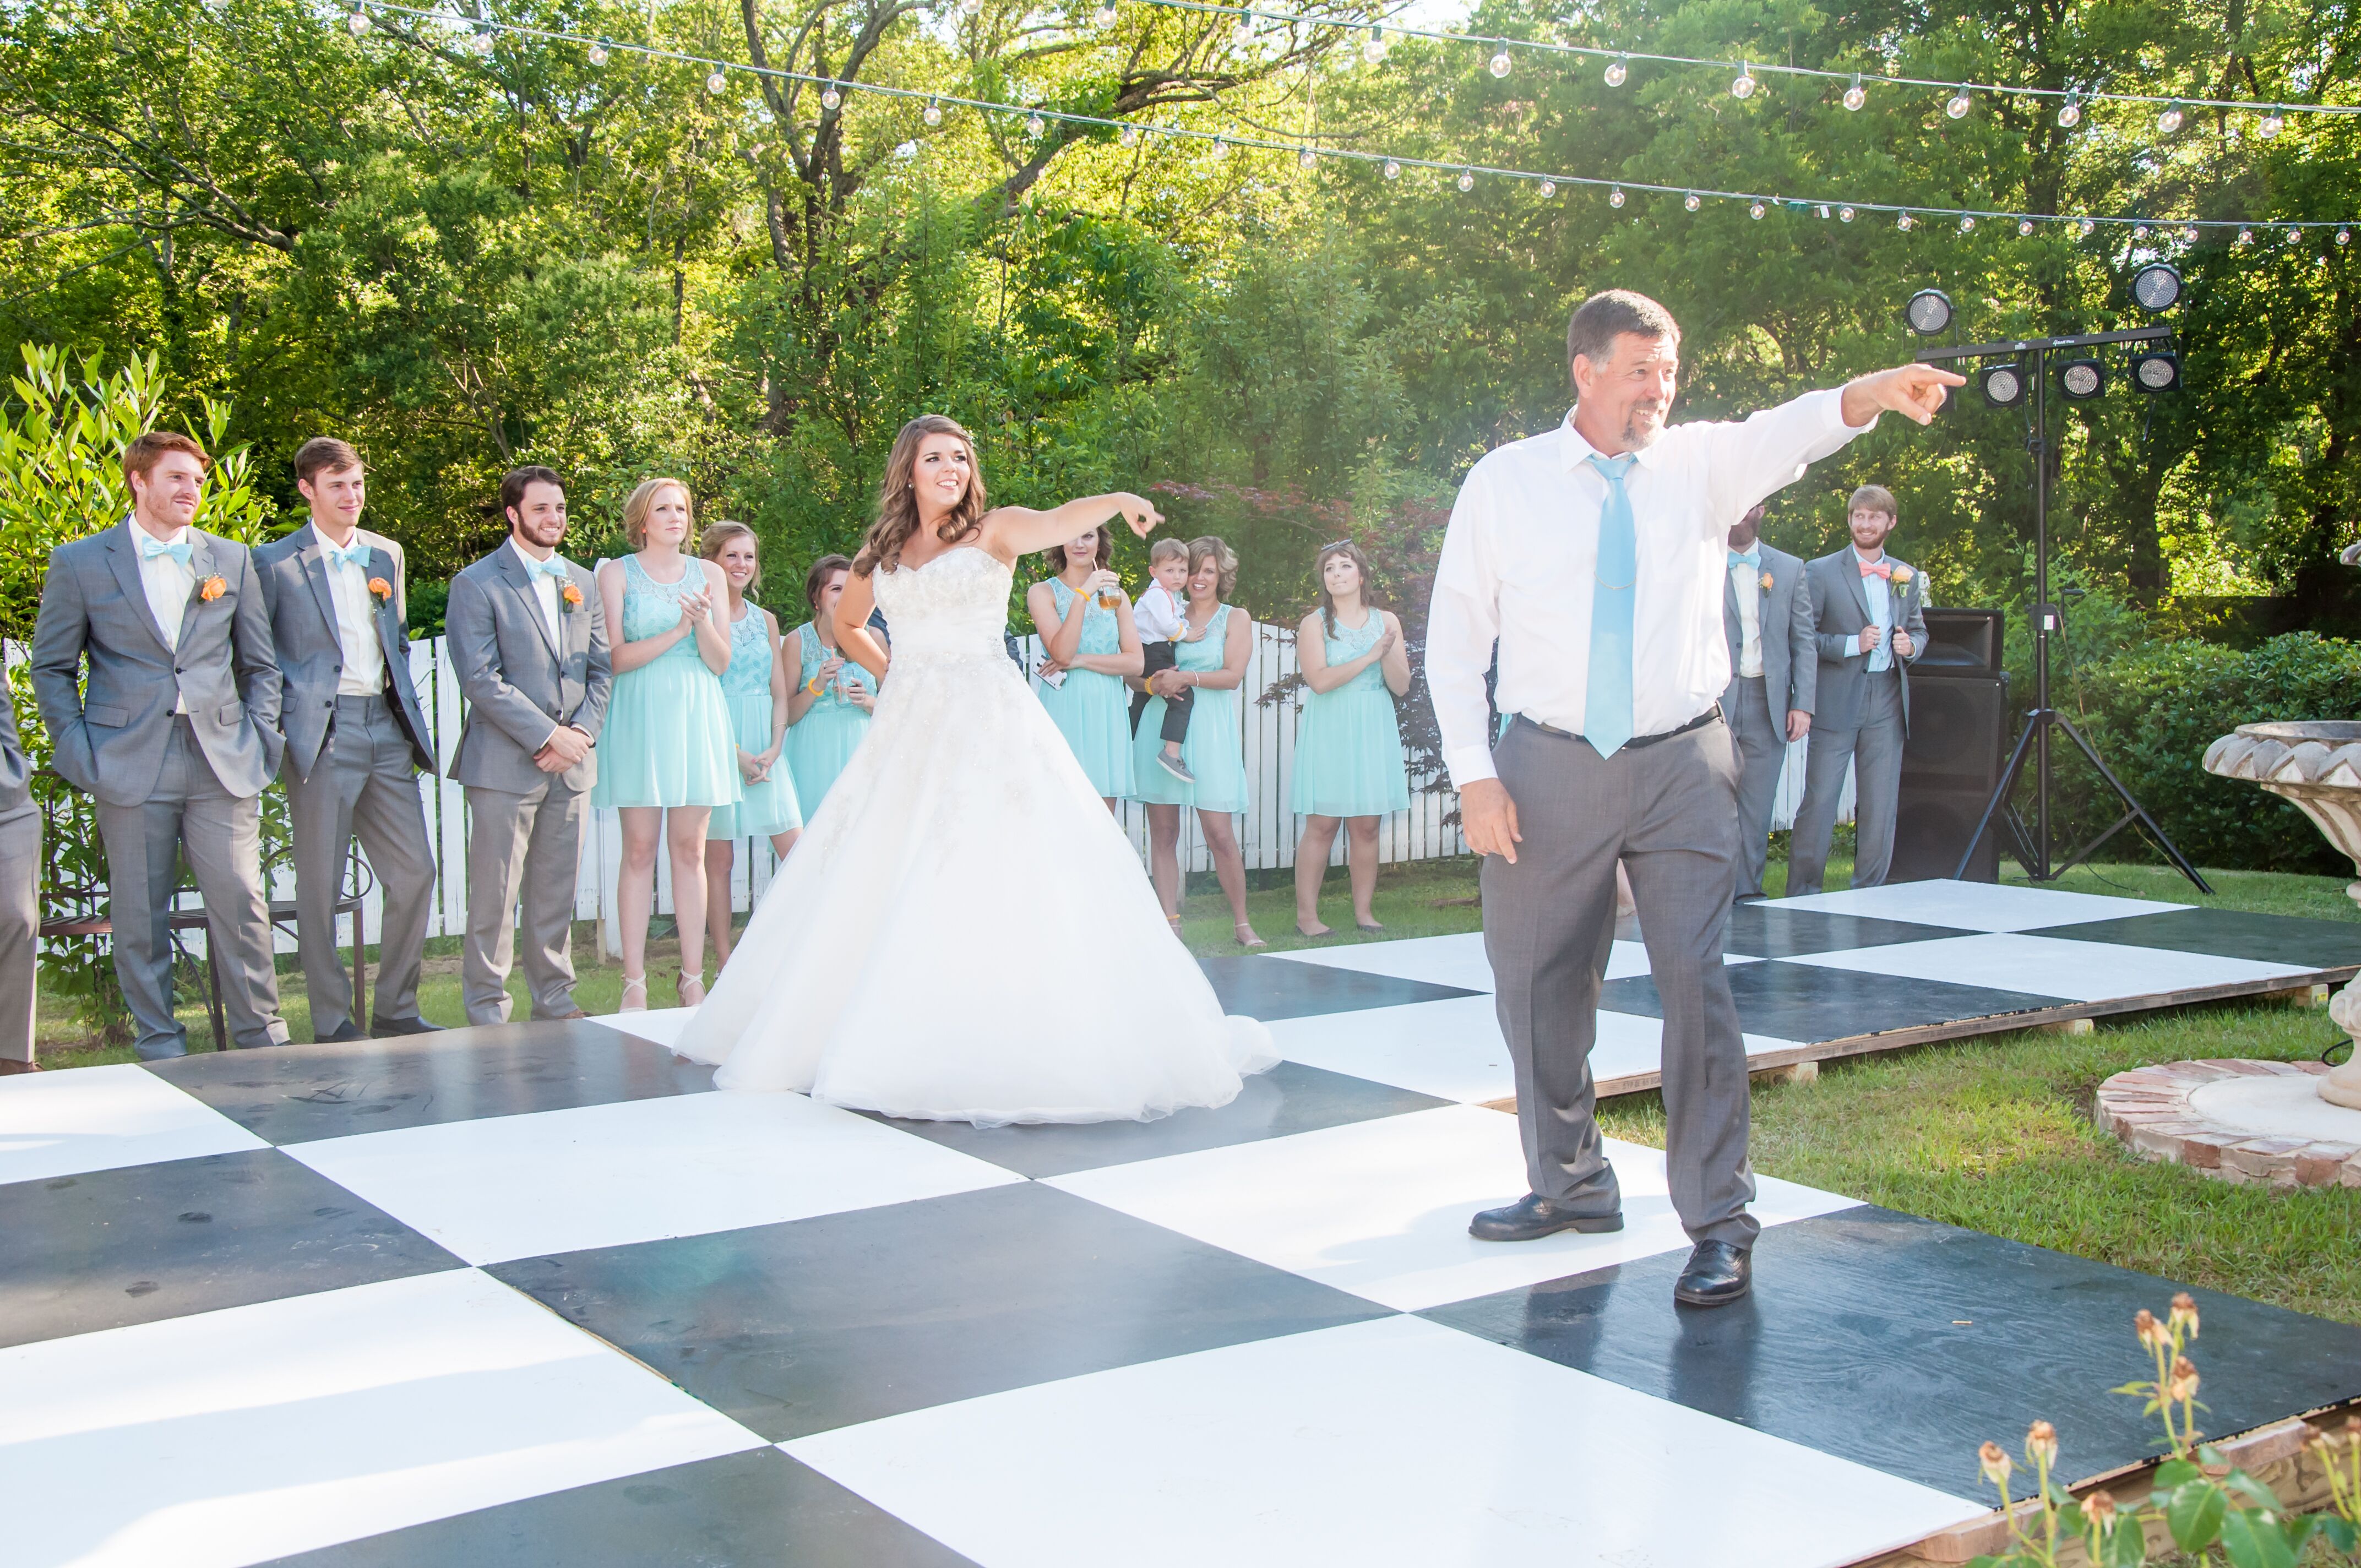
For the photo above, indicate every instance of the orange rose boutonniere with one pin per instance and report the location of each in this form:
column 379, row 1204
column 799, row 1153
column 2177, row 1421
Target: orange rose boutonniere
column 572, row 595
column 1766, row 582
column 1902, row 576
column 381, row 588
column 210, row 589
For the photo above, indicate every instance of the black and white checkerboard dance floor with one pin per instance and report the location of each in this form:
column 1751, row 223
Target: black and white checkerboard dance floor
column 537, row 1295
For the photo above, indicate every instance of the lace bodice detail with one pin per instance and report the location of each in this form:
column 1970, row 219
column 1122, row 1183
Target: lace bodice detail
column 749, row 656
column 651, row 609
column 954, row 607
column 1209, row 651
column 1350, row 642
column 1102, row 634
column 811, row 654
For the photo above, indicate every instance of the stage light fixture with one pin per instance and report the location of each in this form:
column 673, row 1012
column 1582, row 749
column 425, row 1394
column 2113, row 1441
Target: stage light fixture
column 1928, row 311
column 2157, row 286
column 2155, row 370
column 2082, row 380
column 2002, row 385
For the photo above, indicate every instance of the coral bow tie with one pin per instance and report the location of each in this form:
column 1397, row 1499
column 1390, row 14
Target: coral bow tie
column 1881, row 567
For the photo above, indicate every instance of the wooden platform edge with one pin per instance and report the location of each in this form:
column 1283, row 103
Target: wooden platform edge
column 2276, row 1454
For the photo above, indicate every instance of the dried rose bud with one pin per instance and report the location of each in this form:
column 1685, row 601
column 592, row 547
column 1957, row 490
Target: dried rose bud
column 2145, row 1326
column 2183, row 1387
column 2042, row 1445
column 2184, row 1314
column 1993, row 1463
column 2099, row 1508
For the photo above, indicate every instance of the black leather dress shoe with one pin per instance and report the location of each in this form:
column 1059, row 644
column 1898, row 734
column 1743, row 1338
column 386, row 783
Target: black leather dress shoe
column 406, row 1027
column 344, row 1034
column 1531, row 1217
column 564, row 1017
column 1718, row 1274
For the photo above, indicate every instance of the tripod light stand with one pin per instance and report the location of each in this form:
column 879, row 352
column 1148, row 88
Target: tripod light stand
column 2007, row 383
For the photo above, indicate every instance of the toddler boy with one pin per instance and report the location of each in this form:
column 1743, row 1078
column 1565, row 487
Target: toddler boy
column 1163, row 623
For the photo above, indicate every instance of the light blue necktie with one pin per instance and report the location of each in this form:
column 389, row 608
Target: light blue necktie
column 357, row 555
column 1751, row 557
column 151, row 547
column 1606, row 701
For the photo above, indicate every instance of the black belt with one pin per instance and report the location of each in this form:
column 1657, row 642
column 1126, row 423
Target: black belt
column 1711, row 715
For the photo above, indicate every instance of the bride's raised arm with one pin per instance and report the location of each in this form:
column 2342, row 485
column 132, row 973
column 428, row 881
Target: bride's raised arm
column 1012, row 533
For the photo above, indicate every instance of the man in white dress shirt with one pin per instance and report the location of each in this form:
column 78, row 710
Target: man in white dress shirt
column 1595, row 557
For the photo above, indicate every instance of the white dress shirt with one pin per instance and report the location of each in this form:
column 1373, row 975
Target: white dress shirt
column 1158, row 616
column 364, row 673
column 169, row 586
column 1746, row 583
column 1520, row 558
column 1880, row 595
column 546, row 590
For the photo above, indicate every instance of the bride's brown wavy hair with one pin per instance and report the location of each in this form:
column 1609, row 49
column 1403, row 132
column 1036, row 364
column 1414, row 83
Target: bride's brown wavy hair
column 897, row 502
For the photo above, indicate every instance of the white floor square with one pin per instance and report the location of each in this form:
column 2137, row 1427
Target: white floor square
column 606, row 1175
column 237, row 1436
column 1976, row 905
column 661, row 1025
column 1456, row 960
column 1390, row 1443
column 103, row 1118
column 2053, row 966
column 1380, row 1208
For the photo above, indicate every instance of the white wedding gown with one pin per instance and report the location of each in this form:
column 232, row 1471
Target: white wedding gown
column 962, row 934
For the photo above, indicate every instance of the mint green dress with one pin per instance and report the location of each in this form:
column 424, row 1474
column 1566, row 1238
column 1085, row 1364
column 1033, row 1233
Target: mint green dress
column 769, row 805
column 1211, row 751
column 1348, row 752
column 1093, row 711
column 822, row 741
column 667, row 738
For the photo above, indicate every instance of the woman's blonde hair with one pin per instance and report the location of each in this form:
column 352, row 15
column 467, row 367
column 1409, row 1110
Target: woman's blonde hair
column 719, row 533
column 1211, row 548
column 642, row 500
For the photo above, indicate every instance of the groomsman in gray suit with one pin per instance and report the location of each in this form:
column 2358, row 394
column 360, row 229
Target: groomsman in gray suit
column 356, row 739
column 20, row 894
column 1869, row 616
column 176, row 734
column 530, row 644
column 1774, row 666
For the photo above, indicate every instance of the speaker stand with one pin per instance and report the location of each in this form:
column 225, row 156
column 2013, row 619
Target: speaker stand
column 2032, row 848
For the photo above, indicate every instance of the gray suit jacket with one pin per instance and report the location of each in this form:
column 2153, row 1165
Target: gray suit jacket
column 518, row 687
column 16, row 776
column 294, row 573
column 109, row 739
column 1840, row 611
column 1791, row 658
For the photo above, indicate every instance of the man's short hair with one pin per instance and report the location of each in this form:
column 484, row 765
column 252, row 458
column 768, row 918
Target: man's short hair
column 1165, row 550
column 145, row 452
column 1874, row 498
column 516, row 481
column 324, row 454
column 1600, row 319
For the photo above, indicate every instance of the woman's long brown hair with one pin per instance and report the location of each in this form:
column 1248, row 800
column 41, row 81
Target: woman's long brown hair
column 897, row 500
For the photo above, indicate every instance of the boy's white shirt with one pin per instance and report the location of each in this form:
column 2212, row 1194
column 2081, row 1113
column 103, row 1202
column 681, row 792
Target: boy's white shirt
column 1159, row 614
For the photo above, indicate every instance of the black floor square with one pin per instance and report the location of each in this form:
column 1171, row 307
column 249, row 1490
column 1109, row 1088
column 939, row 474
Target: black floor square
column 805, row 1327
column 2231, row 933
column 1762, row 928
column 1809, row 1005
column 1289, row 1098
column 292, row 1094
column 143, row 1242
column 757, row 1509
column 1902, row 1344
column 1268, row 988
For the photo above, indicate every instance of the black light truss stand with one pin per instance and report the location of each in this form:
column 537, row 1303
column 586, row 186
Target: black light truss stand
column 2030, row 842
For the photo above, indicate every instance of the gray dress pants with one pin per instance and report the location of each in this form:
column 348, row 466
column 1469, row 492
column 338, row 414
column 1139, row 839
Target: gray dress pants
column 20, row 925
column 1873, row 747
column 363, row 782
column 192, row 812
column 522, row 848
column 1761, row 737
column 1669, row 812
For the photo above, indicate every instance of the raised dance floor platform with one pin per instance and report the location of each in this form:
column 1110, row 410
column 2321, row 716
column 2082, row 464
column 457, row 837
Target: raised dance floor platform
column 537, row 1295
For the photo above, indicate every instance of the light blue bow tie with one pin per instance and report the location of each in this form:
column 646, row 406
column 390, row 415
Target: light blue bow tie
column 555, row 569
column 1752, row 557
column 355, row 555
column 151, row 547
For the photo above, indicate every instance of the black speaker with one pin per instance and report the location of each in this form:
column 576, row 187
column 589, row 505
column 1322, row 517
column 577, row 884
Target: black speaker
column 1959, row 740
column 1960, row 640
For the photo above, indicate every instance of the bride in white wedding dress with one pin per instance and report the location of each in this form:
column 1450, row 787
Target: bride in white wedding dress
column 962, row 933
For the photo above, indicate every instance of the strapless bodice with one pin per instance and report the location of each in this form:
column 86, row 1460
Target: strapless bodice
column 954, row 607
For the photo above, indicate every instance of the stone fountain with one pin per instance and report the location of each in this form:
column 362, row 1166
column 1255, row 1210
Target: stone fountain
column 2316, row 764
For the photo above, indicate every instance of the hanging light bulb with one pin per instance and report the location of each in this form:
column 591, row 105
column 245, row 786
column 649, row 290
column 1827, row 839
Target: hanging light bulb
column 2086, row 229
column 1618, row 70
column 479, row 44
column 1245, row 32
column 1307, row 158
column 2246, row 236
column 2294, row 234
column 1034, row 124
column 1467, row 180
column 2139, row 232
column 1692, row 201
column 1756, row 210
column 2188, row 235
column 2023, row 227
column 1373, row 49
column 2169, row 121
column 2344, row 236
column 1106, row 15
column 1129, row 136
column 1615, row 197
column 2273, row 123
column 1958, row 104
column 830, row 98
column 1393, row 168
column 358, row 23
column 1844, row 215
column 2070, row 113
column 1501, row 62
column 597, row 54
column 1549, row 189
column 717, row 84
column 1967, row 224
column 1742, row 85
column 1905, row 223
column 1856, row 94
column 1221, row 147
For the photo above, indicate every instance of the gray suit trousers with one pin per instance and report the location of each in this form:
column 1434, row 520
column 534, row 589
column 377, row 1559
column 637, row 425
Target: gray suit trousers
column 364, row 782
column 529, row 847
column 1874, row 749
column 190, row 811
column 1668, row 812
column 20, row 924
column 1761, row 737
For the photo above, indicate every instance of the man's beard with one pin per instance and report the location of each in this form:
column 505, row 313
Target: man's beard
column 1635, row 434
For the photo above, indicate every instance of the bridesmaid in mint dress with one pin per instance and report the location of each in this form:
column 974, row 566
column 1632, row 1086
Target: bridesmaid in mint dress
column 667, row 751
column 1348, row 755
column 1084, row 622
column 756, row 684
column 1213, row 664
column 829, row 697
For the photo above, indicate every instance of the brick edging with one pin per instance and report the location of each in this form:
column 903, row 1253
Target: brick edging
column 2149, row 1108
